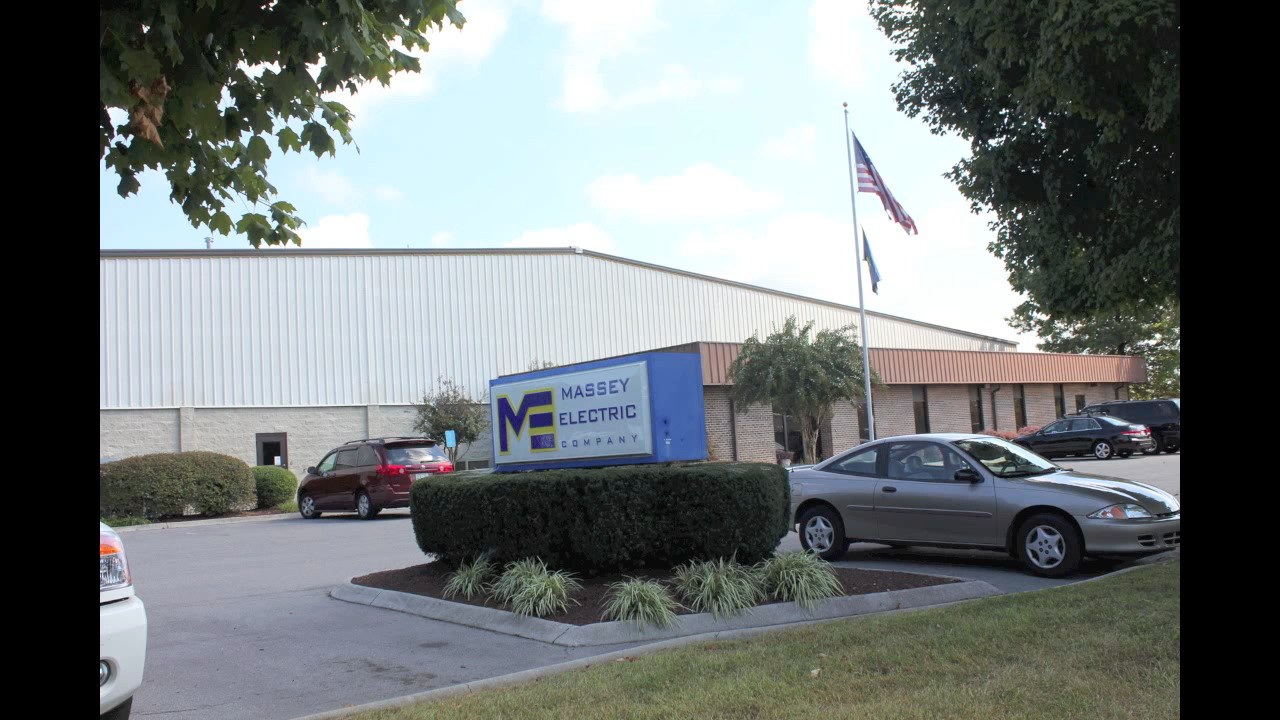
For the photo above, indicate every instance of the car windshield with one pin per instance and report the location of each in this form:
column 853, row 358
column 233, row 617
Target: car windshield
column 414, row 454
column 1113, row 420
column 1004, row 459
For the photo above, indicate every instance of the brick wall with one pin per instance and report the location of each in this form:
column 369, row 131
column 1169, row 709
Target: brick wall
column 122, row 433
column 312, row 432
column 949, row 408
column 715, row 410
column 749, row 433
column 754, row 436
column 891, row 406
column 841, row 433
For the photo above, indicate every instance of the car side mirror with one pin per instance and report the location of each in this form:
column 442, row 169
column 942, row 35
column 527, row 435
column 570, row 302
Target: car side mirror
column 312, row 470
column 968, row 475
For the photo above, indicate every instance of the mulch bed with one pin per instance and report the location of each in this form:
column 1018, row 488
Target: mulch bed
column 429, row 579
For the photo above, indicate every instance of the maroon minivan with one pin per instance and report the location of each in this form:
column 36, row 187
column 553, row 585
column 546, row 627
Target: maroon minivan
column 369, row 475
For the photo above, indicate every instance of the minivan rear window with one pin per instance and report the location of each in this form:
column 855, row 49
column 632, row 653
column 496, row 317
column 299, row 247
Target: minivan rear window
column 414, row 454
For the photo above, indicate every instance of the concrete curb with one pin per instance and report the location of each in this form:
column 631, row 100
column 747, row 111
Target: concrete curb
column 613, row 633
column 525, row 676
column 528, row 675
column 200, row 523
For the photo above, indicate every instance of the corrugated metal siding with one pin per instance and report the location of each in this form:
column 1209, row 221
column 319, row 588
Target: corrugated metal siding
column 277, row 328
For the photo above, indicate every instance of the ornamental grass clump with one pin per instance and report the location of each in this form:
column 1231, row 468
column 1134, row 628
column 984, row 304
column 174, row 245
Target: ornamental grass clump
column 644, row 602
column 720, row 587
column 530, row 589
column 800, row 577
column 470, row 578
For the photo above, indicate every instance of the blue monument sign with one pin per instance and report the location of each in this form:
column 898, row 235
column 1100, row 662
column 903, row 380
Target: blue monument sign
column 643, row 408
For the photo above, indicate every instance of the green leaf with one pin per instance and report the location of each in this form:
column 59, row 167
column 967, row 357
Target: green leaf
column 128, row 185
column 258, row 151
column 141, row 66
column 289, row 140
column 220, row 222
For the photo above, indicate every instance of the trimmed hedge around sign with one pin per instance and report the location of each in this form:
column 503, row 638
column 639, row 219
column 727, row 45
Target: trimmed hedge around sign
column 167, row 484
column 601, row 520
column 274, row 485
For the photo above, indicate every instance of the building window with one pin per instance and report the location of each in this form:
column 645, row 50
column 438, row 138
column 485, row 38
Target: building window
column 1019, row 408
column 1059, row 401
column 1079, row 403
column 920, row 402
column 864, row 428
column 975, row 408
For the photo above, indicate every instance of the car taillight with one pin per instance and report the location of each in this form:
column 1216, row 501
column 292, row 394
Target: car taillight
column 391, row 470
column 446, row 467
column 1138, row 431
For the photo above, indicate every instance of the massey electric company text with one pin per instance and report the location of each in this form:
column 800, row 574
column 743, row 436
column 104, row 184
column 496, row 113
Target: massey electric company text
column 610, row 387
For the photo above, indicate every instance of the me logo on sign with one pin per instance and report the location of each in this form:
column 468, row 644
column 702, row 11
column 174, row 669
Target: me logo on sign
column 537, row 408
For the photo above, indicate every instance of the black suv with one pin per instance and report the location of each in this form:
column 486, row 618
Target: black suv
column 369, row 475
column 1163, row 416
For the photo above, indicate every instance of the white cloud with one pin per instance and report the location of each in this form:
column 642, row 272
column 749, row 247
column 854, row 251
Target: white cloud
column 944, row 275
column 794, row 143
column 485, row 26
column 332, row 185
column 676, row 83
column 583, row 235
column 838, row 36
column 337, row 231
column 603, row 29
column 388, row 193
column 443, row 239
column 599, row 31
column 701, row 192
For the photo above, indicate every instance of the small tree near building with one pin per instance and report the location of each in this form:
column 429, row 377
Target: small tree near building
column 451, row 408
column 800, row 376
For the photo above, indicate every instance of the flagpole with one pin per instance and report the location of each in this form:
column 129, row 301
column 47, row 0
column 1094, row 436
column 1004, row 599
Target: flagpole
column 862, row 310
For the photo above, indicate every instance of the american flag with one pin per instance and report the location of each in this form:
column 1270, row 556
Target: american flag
column 869, row 181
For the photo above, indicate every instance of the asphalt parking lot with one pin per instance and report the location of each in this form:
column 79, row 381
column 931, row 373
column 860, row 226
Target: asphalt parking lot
column 241, row 624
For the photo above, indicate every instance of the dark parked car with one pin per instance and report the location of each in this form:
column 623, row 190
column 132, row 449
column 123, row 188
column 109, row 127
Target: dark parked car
column 1102, row 436
column 1162, row 416
column 369, row 475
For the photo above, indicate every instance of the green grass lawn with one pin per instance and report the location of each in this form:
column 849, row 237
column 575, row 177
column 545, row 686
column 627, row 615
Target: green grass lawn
column 1102, row 649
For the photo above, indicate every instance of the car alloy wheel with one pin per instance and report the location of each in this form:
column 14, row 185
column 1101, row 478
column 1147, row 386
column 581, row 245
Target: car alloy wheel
column 822, row 533
column 819, row 533
column 1103, row 450
column 307, row 507
column 1044, row 547
column 1049, row 545
column 363, row 507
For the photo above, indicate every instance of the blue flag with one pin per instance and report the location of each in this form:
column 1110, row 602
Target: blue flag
column 871, row 262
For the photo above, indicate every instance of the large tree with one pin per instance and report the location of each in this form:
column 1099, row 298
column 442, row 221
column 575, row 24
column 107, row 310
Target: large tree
column 1072, row 113
column 205, row 86
column 1152, row 332
column 799, row 375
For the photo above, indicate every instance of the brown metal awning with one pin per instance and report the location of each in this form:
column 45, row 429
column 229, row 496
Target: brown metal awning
column 954, row 367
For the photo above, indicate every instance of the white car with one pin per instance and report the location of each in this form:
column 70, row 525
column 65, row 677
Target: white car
column 123, row 630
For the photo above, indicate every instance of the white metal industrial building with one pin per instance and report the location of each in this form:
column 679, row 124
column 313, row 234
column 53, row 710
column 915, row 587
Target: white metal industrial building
column 255, row 353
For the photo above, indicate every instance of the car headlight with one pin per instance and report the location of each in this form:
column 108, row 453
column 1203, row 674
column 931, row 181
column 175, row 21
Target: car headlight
column 114, row 569
column 1121, row 511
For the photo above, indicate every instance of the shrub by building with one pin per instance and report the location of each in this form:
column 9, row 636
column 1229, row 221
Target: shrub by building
column 599, row 520
column 181, row 483
column 274, row 485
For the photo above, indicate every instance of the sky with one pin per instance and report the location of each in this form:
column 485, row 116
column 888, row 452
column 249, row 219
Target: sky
column 701, row 135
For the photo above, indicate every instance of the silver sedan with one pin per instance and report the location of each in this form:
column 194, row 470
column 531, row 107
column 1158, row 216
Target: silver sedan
column 977, row 491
